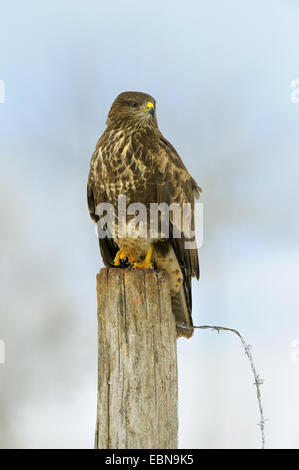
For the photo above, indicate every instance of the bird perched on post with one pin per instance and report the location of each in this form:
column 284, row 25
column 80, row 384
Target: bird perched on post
column 132, row 158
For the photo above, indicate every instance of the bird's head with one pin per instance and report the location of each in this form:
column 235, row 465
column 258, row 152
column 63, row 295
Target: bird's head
column 133, row 108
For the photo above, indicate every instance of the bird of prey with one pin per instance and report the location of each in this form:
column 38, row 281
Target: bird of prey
column 132, row 158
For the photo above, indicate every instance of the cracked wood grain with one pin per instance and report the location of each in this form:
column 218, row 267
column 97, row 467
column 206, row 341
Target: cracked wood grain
column 137, row 361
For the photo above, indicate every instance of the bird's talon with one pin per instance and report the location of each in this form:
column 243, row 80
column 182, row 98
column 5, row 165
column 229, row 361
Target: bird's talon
column 123, row 257
column 143, row 265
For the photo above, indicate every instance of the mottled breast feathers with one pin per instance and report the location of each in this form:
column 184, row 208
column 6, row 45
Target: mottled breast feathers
column 133, row 158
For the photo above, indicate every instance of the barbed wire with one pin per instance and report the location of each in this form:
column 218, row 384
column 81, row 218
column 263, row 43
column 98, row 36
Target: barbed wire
column 257, row 380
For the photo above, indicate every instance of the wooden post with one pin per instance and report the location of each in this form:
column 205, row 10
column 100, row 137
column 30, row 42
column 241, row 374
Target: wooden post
column 137, row 361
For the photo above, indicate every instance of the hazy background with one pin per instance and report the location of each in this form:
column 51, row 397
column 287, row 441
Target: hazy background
column 221, row 74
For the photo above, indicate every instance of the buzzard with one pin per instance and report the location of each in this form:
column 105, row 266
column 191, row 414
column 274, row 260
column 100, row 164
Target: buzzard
column 134, row 159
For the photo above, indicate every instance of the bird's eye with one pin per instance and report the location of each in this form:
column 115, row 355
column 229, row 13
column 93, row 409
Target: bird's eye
column 133, row 105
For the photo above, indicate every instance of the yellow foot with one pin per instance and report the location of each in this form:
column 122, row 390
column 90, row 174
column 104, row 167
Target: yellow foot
column 123, row 255
column 146, row 264
column 143, row 265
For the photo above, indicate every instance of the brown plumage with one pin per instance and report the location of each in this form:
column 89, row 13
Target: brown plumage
column 133, row 158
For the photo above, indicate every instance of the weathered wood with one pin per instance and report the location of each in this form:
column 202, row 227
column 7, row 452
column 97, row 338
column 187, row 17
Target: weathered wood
column 137, row 361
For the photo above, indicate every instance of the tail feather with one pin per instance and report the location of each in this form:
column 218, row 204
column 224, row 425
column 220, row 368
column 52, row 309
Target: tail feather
column 181, row 313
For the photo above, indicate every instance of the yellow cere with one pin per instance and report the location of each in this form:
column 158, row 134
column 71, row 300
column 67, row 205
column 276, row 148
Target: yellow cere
column 149, row 105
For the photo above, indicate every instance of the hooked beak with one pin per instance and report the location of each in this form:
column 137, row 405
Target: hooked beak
column 150, row 108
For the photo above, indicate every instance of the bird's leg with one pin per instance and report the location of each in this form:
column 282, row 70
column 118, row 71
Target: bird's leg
column 123, row 256
column 146, row 263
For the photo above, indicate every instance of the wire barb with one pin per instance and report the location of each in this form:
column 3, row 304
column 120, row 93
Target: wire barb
column 257, row 380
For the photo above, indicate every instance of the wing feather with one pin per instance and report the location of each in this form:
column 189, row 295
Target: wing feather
column 94, row 196
column 175, row 184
